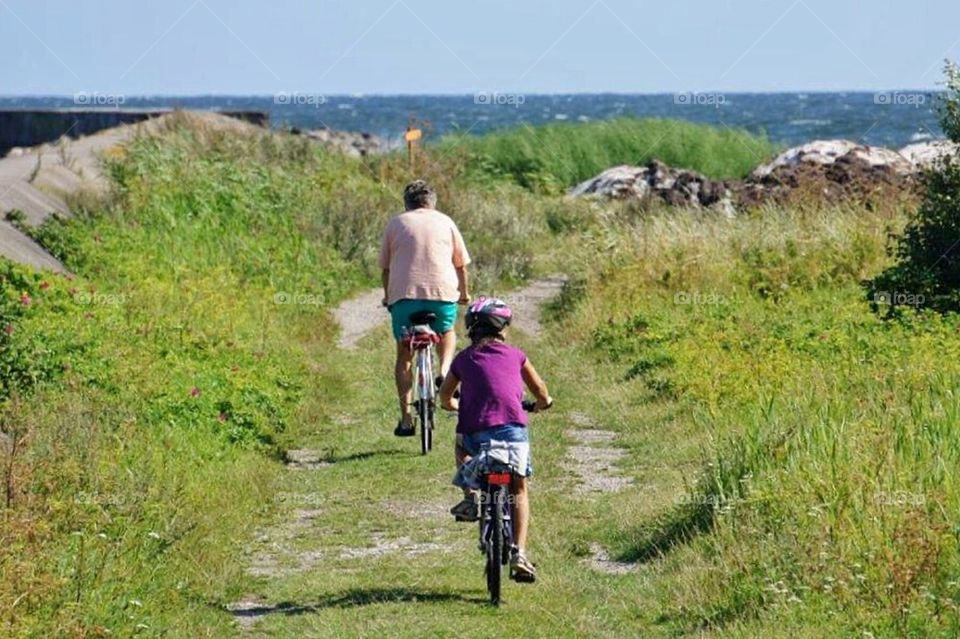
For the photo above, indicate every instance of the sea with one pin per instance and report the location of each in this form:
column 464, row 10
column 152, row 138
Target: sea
column 889, row 118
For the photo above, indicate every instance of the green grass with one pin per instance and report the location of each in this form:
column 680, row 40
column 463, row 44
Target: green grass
column 791, row 453
column 557, row 156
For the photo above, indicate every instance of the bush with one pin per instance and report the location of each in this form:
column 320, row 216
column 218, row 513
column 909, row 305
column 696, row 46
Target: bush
column 927, row 269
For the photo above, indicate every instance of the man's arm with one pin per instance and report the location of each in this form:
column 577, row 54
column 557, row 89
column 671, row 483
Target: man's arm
column 463, row 284
column 385, row 280
column 536, row 386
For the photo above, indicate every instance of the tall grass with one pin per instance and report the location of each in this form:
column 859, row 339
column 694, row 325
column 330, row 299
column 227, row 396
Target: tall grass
column 556, row 156
column 824, row 498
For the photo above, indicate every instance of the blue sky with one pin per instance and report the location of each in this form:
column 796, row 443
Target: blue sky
column 190, row 47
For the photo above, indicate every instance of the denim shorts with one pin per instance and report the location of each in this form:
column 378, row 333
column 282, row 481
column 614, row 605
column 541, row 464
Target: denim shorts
column 401, row 310
column 471, row 442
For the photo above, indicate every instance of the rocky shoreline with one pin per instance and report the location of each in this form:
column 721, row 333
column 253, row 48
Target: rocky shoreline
column 823, row 170
column 352, row 143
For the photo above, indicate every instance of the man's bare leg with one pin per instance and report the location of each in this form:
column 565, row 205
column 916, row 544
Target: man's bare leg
column 403, row 374
column 448, row 346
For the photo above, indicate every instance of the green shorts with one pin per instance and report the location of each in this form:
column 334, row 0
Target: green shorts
column 401, row 310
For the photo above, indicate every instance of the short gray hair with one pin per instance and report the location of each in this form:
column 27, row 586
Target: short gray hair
column 419, row 195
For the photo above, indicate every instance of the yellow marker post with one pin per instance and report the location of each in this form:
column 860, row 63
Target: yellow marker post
column 412, row 136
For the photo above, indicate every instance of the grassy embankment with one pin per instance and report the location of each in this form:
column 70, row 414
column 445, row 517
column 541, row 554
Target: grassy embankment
column 791, row 452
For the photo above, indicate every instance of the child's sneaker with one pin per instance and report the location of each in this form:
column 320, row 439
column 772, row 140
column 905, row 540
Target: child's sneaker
column 466, row 510
column 522, row 569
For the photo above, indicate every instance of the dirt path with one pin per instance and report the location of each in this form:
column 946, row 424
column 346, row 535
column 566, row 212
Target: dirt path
column 528, row 302
column 362, row 314
column 389, row 527
column 595, row 460
column 359, row 316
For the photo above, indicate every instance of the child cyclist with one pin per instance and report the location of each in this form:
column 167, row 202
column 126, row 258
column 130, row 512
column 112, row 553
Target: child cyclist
column 491, row 375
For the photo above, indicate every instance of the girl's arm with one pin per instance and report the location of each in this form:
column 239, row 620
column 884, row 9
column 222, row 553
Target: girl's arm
column 536, row 385
column 447, row 400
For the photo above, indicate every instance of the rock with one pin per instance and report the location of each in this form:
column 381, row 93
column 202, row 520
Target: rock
column 824, row 171
column 924, row 155
column 620, row 182
column 866, row 174
column 826, row 152
column 676, row 187
column 356, row 144
column 16, row 152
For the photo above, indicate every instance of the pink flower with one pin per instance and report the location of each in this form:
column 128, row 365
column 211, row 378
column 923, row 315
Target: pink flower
column 25, row 300
column 222, row 417
column 195, row 392
column 8, row 329
column 44, row 285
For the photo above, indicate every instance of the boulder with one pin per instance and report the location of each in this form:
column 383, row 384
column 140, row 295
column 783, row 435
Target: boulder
column 924, row 155
column 676, row 187
column 827, row 152
column 355, row 144
column 620, row 183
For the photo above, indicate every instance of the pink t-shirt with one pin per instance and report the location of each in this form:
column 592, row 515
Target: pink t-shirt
column 423, row 250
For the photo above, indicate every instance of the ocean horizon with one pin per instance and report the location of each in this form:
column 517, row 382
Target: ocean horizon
column 892, row 118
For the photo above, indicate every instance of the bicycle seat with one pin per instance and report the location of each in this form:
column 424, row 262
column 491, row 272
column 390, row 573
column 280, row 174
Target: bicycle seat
column 422, row 317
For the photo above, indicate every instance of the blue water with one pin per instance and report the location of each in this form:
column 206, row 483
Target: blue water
column 890, row 119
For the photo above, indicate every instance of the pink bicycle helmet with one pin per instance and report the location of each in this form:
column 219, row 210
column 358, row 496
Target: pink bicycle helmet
column 488, row 313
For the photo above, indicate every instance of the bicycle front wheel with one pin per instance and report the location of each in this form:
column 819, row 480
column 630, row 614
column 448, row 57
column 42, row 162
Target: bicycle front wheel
column 425, row 415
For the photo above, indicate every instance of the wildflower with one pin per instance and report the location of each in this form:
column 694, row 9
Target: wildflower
column 44, row 285
column 25, row 299
column 195, row 392
column 8, row 329
column 222, row 417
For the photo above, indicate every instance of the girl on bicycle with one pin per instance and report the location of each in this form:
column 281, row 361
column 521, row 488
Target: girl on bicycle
column 491, row 376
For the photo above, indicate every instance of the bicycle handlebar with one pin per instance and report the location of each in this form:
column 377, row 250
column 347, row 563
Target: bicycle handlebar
column 531, row 406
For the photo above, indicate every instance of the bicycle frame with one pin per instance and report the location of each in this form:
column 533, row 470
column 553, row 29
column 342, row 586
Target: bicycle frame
column 425, row 389
column 422, row 342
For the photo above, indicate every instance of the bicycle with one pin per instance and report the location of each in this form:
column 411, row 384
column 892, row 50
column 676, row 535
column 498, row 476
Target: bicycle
column 496, row 518
column 422, row 339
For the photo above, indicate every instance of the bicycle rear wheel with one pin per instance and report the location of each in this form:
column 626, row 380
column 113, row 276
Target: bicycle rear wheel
column 495, row 549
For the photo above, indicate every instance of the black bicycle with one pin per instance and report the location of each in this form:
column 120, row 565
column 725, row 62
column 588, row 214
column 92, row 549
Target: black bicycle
column 496, row 519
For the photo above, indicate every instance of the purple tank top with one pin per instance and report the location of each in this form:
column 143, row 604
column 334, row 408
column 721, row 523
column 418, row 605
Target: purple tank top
column 491, row 387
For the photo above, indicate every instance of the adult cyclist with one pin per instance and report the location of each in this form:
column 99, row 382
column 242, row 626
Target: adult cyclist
column 424, row 262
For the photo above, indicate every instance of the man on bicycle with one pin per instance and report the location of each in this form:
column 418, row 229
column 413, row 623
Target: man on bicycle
column 424, row 262
column 491, row 375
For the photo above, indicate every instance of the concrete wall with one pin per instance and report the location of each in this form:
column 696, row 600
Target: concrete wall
column 30, row 127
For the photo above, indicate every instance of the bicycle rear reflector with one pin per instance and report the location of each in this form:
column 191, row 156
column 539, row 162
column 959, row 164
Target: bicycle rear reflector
column 498, row 479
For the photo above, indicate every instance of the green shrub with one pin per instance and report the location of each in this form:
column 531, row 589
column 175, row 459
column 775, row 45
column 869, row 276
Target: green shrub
column 927, row 269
